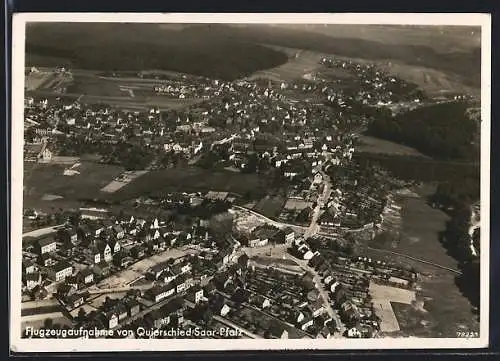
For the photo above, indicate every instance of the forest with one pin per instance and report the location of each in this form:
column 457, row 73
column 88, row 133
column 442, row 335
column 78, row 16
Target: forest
column 443, row 131
column 116, row 47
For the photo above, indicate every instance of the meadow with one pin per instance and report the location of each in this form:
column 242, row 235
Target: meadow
column 192, row 179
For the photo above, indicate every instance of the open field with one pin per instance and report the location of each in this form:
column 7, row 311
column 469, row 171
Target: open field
column 436, row 58
column 124, row 102
column 442, row 39
column 192, row 179
column 89, row 85
column 43, row 179
column 393, row 294
column 376, row 145
column 299, row 64
column 36, row 80
column 270, row 206
column 448, row 310
column 383, row 296
column 420, row 228
column 432, row 81
column 122, row 180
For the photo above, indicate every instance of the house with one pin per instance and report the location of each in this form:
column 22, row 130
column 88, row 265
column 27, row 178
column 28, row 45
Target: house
column 306, row 323
column 162, row 244
column 174, row 310
column 39, row 292
column 133, row 307
column 308, row 255
column 69, row 236
column 297, row 316
column 317, row 178
column 353, row 332
column 198, row 294
column 96, row 229
column 152, row 246
column 121, row 259
column 33, row 280
column 221, row 308
column 157, row 319
column 328, row 279
column 65, row 290
column 158, row 293
column 111, row 319
column 115, row 246
column 155, row 271
column 289, row 235
column 168, row 276
column 334, row 285
column 261, row 301
column 60, row 271
column 84, row 233
column 349, row 312
column 45, row 245
column 93, row 255
column 118, row 231
column 45, row 155
column 75, row 300
column 105, row 251
column 186, row 267
column 72, row 281
column 257, row 242
column 121, row 311
column 28, row 267
column 317, row 308
column 86, row 276
column 209, row 289
column 326, row 332
column 101, row 269
column 137, row 251
column 277, row 331
column 182, row 283
column 221, row 259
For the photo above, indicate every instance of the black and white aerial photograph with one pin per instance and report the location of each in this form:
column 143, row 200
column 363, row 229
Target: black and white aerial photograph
column 268, row 183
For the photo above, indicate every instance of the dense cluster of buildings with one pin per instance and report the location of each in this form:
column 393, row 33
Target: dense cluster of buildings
column 245, row 126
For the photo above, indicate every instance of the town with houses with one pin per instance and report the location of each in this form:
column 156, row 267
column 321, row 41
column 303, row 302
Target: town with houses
column 282, row 262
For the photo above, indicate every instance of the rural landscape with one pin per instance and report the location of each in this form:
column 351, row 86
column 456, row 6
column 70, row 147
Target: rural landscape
column 251, row 181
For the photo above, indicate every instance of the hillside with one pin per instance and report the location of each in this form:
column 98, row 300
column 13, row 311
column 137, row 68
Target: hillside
column 109, row 46
column 442, row 131
column 233, row 51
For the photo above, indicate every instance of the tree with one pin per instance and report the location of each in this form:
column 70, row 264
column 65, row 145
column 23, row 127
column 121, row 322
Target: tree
column 81, row 314
column 48, row 323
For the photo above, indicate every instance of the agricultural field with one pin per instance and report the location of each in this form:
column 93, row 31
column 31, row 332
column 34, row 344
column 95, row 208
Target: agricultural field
column 299, row 64
column 90, row 85
column 41, row 180
column 35, row 80
column 192, row 179
column 270, row 206
column 383, row 297
column 371, row 144
column 444, row 310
